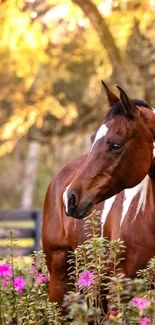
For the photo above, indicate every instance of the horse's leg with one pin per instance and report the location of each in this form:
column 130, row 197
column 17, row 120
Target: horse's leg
column 57, row 265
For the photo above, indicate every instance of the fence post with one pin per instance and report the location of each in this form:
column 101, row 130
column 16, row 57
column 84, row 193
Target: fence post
column 38, row 218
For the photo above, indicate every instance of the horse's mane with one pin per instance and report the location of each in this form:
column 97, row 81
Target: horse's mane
column 116, row 109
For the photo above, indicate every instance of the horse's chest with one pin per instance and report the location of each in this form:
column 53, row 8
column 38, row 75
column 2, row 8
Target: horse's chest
column 75, row 232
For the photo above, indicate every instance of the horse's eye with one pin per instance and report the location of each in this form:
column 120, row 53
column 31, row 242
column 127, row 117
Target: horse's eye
column 115, row 145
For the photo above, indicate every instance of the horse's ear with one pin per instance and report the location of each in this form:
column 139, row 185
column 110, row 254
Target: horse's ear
column 112, row 98
column 128, row 104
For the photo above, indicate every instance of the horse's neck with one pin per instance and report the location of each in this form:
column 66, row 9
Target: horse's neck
column 152, row 169
column 149, row 117
column 148, row 184
column 152, row 188
column 146, row 202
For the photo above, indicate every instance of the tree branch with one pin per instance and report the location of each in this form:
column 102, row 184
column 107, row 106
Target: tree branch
column 107, row 39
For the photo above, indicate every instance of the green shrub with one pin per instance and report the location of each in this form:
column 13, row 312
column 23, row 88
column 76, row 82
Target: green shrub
column 95, row 275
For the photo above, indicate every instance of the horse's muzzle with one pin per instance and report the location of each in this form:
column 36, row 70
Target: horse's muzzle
column 79, row 212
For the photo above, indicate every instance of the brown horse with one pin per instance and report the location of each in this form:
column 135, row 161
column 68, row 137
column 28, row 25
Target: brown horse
column 120, row 157
column 126, row 135
column 60, row 234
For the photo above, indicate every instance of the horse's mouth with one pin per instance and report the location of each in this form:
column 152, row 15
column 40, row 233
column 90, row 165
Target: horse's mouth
column 82, row 211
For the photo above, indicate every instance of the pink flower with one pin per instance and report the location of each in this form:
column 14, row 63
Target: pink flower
column 146, row 321
column 4, row 283
column 5, row 270
column 86, row 278
column 19, row 284
column 113, row 313
column 140, row 303
column 33, row 269
column 41, row 278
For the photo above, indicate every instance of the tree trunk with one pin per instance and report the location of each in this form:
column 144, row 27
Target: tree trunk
column 141, row 49
column 30, row 177
column 107, row 40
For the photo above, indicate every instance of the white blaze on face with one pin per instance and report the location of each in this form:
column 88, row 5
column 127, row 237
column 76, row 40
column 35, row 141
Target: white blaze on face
column 100, row 133
column 106, row 209
column 65, row 198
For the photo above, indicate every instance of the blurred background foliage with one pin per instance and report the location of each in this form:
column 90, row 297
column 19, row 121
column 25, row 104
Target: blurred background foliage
column 52, row 56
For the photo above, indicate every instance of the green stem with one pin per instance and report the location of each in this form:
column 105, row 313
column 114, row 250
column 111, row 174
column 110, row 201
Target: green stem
column 76, row 270
column 1, row 302
column 13, row 277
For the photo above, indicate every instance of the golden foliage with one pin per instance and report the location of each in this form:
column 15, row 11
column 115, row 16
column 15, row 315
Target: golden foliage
column 33, row 59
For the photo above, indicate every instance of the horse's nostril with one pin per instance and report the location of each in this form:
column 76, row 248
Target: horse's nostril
column 72, row 200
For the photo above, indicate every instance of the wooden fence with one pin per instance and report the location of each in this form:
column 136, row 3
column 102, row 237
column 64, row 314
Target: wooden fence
column 25, row 225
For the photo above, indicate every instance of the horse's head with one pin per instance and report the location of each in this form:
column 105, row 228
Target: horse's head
column 120, row 156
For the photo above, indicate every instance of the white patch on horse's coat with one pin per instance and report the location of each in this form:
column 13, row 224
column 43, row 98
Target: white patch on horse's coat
column 143, row 195
column 106, row 209
column 100, row 133
column 65, row 198
column 129, row 195
column 153, row 109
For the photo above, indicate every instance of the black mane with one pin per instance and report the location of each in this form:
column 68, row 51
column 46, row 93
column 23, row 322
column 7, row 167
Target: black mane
column 116, row 109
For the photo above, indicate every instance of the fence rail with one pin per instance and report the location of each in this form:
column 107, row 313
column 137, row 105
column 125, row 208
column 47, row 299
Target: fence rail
column 25, row 225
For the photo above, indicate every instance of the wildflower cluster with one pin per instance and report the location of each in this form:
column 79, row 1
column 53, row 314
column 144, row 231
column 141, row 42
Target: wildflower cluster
column 6, row 273
column 39, row 277
column 24, row 293
column 96, row 282
column 94, row 273
column 140, row 303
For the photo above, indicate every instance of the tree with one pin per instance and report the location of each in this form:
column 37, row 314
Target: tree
column 53, row 55
column 106, row 38
column 30, row 175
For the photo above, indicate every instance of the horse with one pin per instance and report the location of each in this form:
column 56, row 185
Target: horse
column 120, row 169
column 61, row 233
